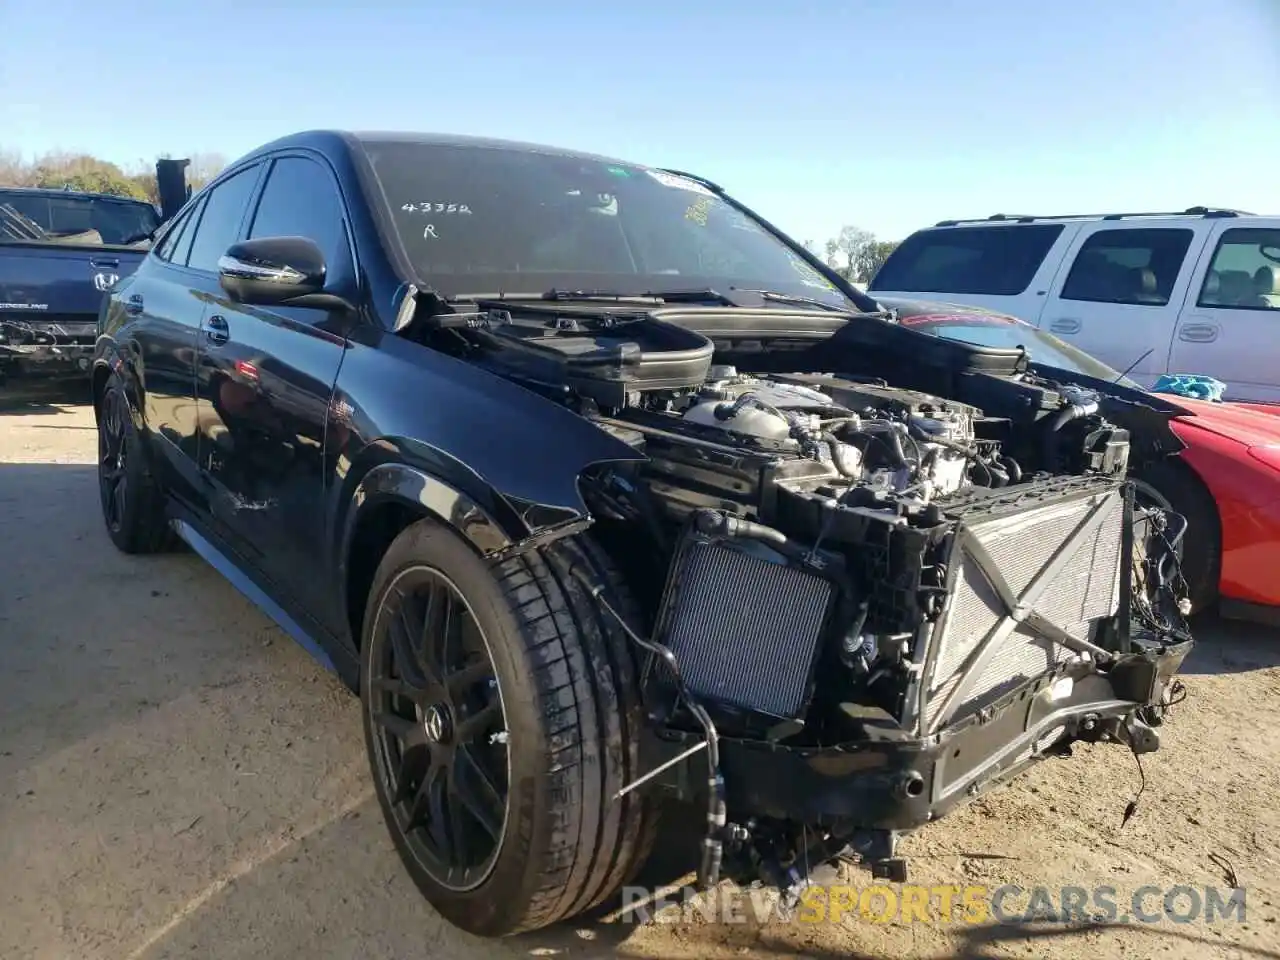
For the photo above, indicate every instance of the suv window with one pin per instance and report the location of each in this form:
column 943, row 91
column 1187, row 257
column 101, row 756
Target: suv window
column 997, row 261
column 1245, row 272
column 300, row 200
column 1128, row 266
column 219, row 225
column 47, row 217
column 182, row 249
column 178, row 230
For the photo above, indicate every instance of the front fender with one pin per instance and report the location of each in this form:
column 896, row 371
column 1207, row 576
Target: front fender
column 514, row 452
column 480, row 517
column 1247, row 494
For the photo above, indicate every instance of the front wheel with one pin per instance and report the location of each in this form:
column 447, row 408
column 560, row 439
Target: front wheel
column 501, row 717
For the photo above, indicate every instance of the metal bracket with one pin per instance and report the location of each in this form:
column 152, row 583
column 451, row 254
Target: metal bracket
column 665, row 765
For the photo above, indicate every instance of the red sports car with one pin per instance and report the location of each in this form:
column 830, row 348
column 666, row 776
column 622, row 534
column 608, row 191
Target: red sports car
column 1226, row 482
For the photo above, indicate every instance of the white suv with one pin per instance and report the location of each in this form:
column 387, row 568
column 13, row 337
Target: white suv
column 1194, row 292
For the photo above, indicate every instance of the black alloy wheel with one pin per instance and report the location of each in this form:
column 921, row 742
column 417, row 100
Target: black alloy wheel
column 113, row 460
column 502, row 719
column 133, row 505
column 439, row 728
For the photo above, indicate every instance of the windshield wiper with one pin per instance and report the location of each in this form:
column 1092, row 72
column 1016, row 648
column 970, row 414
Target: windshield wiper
column 777, row 297
column 694, row 296
column 668, row 296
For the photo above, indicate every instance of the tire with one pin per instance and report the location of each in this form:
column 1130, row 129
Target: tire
column 132, row 503
column 563, row 680
column 1184, row 493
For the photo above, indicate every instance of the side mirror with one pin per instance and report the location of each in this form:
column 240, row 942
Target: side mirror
column 272, row 270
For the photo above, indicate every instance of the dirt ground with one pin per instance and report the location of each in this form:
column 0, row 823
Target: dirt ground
column 177, row 778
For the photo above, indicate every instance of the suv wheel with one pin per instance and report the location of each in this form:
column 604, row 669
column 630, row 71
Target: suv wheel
column 132, row 503
column 501, row 717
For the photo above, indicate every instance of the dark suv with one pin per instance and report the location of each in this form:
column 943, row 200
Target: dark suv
column 598, row 488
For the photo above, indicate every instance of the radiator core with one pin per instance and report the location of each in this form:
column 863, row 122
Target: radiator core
column 745, row 630
column 1083, row 588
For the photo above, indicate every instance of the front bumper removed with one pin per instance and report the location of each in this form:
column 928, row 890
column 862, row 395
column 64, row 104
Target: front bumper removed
column 860, row 797
column 902, row 783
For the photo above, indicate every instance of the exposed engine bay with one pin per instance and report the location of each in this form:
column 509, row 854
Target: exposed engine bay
column 913, row 446
column 880, row 584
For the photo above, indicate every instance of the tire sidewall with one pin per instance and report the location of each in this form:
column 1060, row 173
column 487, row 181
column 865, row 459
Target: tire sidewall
column 135, row 474
column 498, row 901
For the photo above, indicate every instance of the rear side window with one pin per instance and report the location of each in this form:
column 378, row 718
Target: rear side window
column 997, row 261
column 1128, row 266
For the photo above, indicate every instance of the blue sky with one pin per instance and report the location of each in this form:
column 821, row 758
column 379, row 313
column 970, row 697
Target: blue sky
column 889, row 114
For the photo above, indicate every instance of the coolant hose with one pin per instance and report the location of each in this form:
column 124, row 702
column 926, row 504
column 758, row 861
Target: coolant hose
column 837, row 455
column 1074, row 412
column 726, row 411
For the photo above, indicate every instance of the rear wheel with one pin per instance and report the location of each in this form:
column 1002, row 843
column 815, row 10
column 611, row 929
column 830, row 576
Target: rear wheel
column 132, row 503
column 501, row 717
column 1173, row 486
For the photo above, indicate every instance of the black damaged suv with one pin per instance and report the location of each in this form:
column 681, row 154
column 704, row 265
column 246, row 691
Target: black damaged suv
column 599, row 488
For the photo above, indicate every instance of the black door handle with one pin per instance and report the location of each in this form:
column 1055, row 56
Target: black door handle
column 104, row 261
column 218, row 332
column 133, row 306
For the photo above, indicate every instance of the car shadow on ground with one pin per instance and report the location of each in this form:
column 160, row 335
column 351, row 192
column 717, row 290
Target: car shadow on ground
column 284, row 908
column 69, row 598
column 1231, row 646
column 16, row 400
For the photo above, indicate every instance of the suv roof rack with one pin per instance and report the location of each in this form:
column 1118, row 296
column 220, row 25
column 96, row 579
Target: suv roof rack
column 1206, row 212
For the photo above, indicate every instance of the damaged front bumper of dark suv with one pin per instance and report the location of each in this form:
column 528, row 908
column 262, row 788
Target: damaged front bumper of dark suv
column 1054, row 618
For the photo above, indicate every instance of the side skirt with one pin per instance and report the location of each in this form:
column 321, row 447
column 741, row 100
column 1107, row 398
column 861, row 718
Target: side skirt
column 331, row 655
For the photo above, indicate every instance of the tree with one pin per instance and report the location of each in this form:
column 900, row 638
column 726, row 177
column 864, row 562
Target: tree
column 873, row 257
column 856, row 254
column 13, row 172
column 204, row 167
column 82, row 171
column 844, row 251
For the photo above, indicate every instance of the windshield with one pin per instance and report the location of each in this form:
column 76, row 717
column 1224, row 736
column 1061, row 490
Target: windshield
column 495, row 219
column 35, row 217
column 1042, row 347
